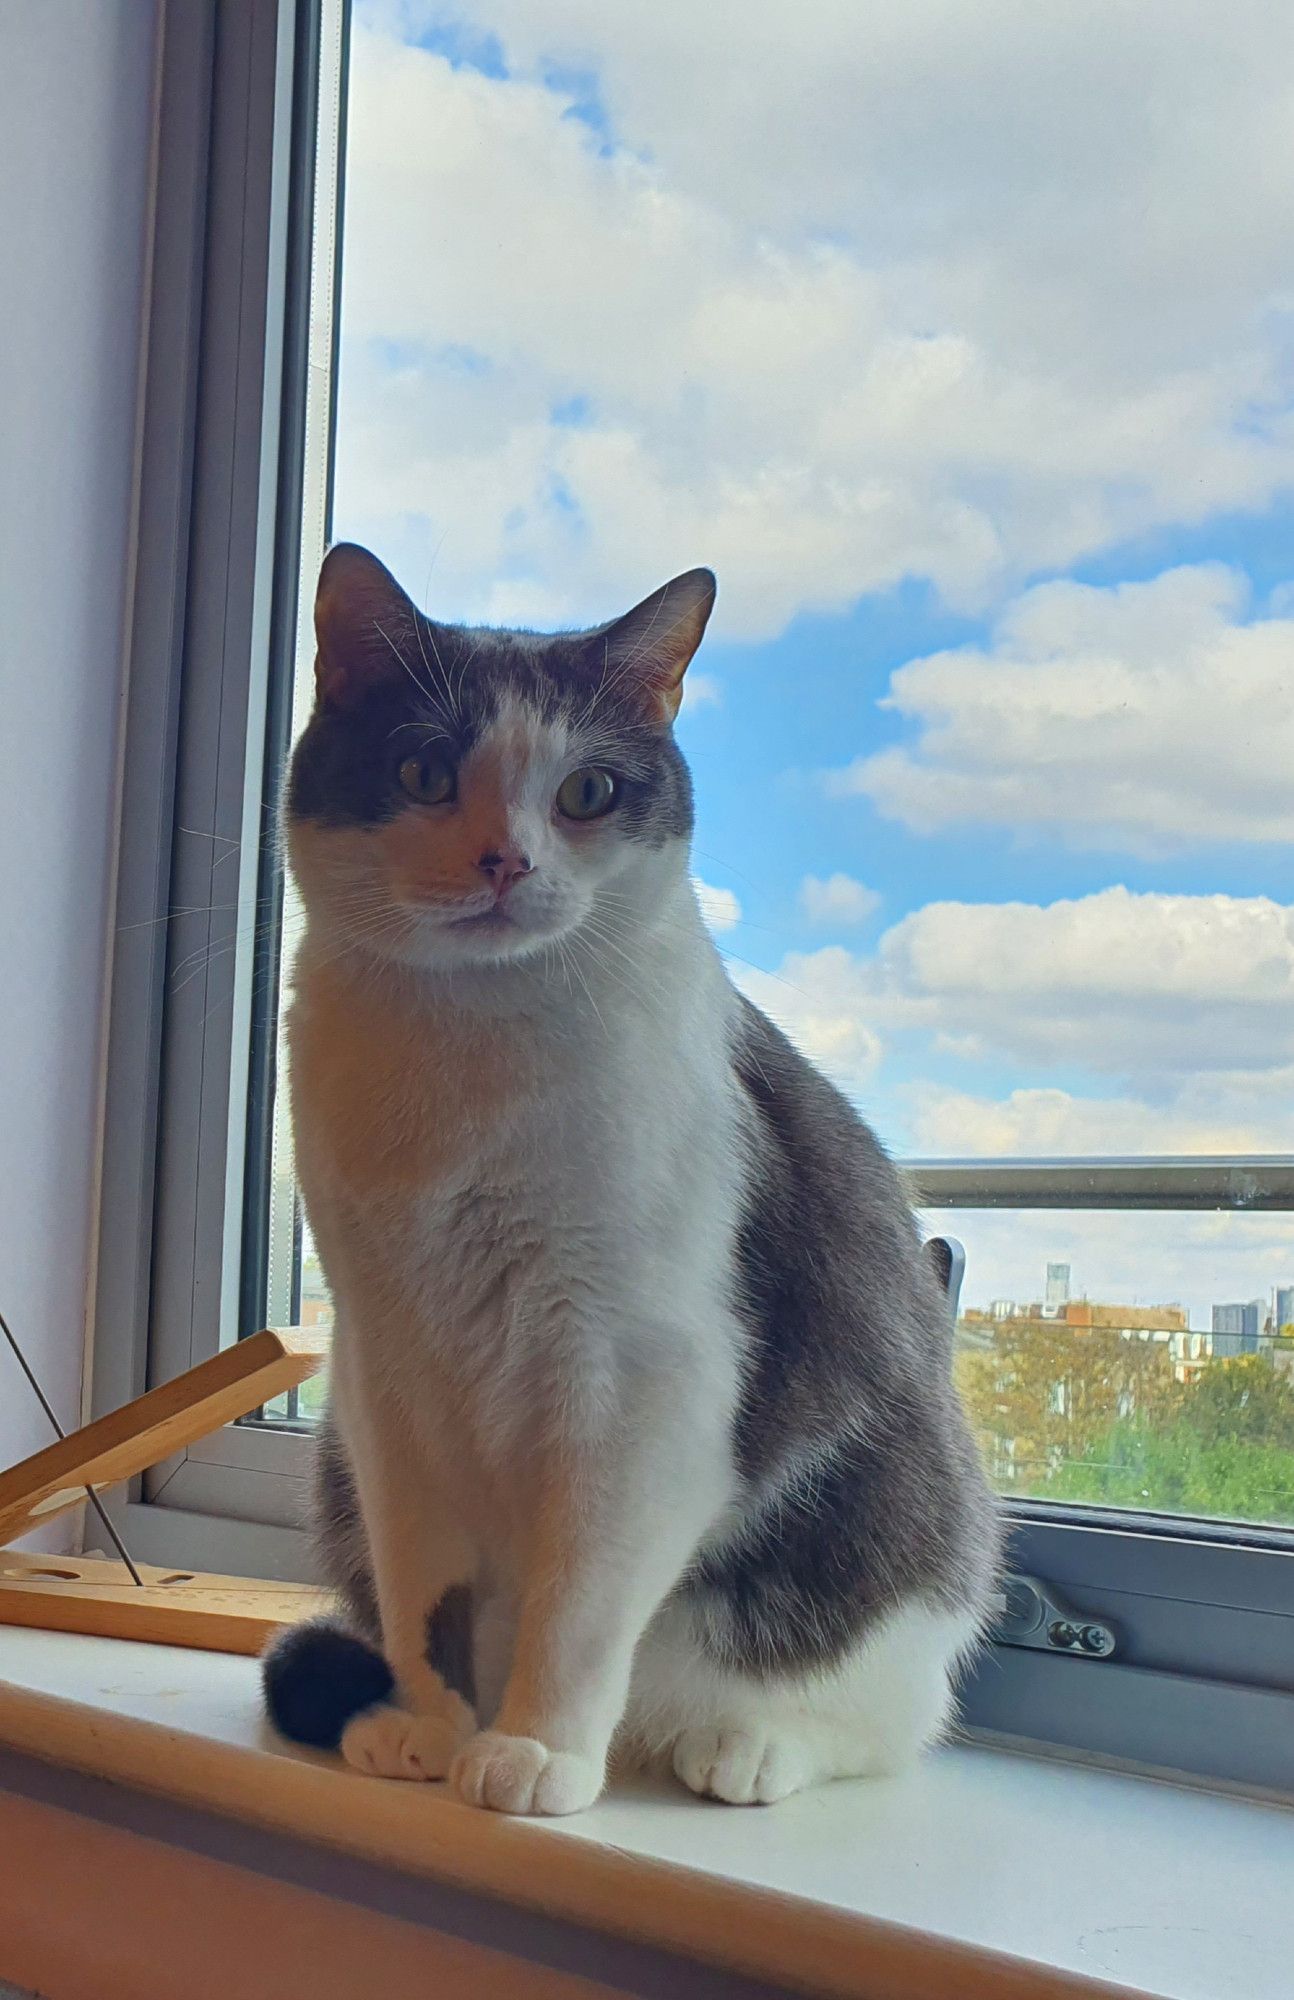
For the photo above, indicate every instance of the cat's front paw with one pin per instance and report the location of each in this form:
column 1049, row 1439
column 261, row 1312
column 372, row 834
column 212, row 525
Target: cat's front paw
column 391, row 1743
column 741, row 1766
column 517, row 1774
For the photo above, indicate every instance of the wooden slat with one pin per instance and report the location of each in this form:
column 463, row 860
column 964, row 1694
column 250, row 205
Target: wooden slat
column 220, row 1614
column 129, row 1440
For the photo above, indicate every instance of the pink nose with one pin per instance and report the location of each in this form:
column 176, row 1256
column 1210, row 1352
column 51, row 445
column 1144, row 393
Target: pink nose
column 505, row 868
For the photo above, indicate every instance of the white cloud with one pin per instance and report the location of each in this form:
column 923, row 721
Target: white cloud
column 1148, row 715
column 1117, row 983
column 719, row 907
column 1034, row 1124
column 836, row 899
column 1186, row 1003
column 815, row 998
column 832, row 325
column 701, row 691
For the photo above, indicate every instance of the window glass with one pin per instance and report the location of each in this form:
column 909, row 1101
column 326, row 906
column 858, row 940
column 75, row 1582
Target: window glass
column 1104, row 1359
column 957, row 340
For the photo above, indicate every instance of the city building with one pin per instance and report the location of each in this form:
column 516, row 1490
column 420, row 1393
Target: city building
column 1236, row 1327
column 1284, row 1308
column 1056, row 1295
column 1163, row 1324
column 1191, row 1353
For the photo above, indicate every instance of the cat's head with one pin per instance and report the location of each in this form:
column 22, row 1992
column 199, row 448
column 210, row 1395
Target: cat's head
column 464, row 796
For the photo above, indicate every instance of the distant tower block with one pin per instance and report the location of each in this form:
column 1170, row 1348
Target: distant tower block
column 1057, row 1294
column 1236, row 1327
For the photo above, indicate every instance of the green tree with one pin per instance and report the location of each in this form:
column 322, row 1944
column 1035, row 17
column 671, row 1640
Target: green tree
column 1242, row 1400
column 1173, row 1470
column 1044, row 1392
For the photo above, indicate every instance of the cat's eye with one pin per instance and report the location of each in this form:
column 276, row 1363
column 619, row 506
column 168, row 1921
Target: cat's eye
column 587, row 793
column 428, row 777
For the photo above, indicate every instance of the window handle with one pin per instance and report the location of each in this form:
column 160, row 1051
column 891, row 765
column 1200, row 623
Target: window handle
column 1031, row 1613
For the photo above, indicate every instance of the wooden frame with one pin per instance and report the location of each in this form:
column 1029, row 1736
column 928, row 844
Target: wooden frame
column 219, row 1614
column 177, row 1608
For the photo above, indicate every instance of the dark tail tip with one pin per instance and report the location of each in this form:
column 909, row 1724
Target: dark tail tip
column 317, row 1676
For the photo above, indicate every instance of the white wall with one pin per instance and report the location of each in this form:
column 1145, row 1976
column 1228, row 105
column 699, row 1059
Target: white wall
column 76, row 81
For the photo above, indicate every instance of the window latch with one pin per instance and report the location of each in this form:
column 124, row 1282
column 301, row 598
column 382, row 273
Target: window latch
column 1031, row 1613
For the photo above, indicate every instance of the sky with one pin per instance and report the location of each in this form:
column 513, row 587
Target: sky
column 959, row 341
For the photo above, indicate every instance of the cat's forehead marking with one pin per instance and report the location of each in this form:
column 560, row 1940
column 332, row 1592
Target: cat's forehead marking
column 518, row 738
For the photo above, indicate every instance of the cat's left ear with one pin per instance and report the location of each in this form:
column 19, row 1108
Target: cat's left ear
column 362, row 621
column 650, row 647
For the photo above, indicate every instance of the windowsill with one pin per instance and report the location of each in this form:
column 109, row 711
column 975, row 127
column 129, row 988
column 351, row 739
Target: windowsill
column 984, row 1870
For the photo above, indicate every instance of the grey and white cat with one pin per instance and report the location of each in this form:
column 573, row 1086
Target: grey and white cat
column 643, row 1436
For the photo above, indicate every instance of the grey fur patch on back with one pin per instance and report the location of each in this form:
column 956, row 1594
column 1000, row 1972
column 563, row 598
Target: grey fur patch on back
column 865, row 1483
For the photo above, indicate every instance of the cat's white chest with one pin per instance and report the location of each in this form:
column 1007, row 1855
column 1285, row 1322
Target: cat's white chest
column 512, row 1223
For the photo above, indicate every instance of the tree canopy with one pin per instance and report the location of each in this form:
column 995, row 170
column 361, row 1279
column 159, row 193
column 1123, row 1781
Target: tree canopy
column 1083, row 1414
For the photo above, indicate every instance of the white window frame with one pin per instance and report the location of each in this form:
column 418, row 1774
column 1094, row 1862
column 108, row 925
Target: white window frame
column 1204, row 1678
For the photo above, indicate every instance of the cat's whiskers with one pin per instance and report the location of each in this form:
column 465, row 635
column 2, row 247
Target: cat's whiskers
column 632, row 981
column 724, row 950
column 633, row 658
column 606, row 688
column 231, row 844
column 172, row 916
column 212, row 948
column 248, row 934
column 461, row 680
column 588, row 990
column 362, row 937
column 640, row 991
column 428, row 731
column 428, row 693
column 419, row 620
column 564, row 954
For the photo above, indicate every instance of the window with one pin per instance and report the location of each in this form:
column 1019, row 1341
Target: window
column 962, row 354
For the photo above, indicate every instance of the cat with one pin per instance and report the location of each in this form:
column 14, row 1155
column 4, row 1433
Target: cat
column 642, row 1429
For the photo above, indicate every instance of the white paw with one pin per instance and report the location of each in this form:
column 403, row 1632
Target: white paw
column 391, row 1743
column 515, row 1774
column 744, row 1767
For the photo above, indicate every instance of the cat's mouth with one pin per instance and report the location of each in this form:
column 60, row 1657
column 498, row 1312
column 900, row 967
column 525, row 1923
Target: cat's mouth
column 471, row 932
column 497, row 918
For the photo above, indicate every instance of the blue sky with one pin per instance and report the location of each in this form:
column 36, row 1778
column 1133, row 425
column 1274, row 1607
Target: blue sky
column 976, row 387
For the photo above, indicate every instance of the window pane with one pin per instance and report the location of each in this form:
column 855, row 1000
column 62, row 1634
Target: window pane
column 926, row 340
column 1131, row 1360
column 971, row 381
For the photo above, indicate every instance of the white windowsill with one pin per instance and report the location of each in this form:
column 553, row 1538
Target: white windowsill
column 979, row 1858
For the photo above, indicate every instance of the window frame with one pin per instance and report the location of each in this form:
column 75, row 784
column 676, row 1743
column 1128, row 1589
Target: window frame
column 1204, row 1678
column 218, row 504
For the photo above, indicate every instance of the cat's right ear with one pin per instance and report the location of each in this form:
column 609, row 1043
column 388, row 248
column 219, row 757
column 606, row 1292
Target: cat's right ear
column 362, row 618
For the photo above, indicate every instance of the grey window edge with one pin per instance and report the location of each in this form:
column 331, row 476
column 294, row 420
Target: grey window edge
column 1135, row 1718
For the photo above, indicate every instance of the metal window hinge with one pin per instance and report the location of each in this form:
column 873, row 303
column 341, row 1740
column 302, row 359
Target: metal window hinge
column 1030, row 1613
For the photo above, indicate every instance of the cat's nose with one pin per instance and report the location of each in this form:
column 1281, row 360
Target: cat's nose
column 505, row 866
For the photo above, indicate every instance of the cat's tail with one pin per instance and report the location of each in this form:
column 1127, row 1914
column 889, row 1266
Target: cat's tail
column 317, row 1676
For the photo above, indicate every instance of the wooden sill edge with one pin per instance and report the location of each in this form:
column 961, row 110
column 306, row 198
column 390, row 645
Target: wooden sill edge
column 808, row 1947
